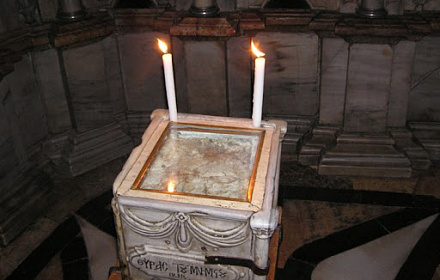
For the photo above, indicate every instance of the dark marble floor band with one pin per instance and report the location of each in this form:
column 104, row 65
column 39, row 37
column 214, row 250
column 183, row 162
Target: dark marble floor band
column 425, row 257
column 360, row 197
column 301, row 263
column 41, row 256
column 75, row 261
column 68, row 241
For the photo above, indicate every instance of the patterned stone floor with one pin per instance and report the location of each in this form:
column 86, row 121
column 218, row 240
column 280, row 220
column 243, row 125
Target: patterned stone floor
column 322, row 217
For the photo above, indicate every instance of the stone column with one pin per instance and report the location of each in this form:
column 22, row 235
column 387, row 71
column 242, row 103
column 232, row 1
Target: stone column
column 143, row 79
column 334, row 64
column 291, row 83
column 365, row 147
column 239, row 77
column 206, row 77
column 94, row 97
column 25, row 188
column 424, row 97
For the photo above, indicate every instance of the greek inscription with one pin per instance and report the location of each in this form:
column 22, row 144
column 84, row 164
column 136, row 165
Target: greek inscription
column 152, row 265
column 180, row 270
column 177, row 275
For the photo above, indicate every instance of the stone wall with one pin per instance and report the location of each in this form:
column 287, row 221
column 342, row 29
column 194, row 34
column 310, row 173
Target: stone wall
column 355, row 92
column 24, row 172
column 62, row 113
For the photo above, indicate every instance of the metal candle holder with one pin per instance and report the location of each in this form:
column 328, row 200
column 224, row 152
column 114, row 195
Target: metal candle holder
column 204, row 8
column 372, row 9
column 71, row 10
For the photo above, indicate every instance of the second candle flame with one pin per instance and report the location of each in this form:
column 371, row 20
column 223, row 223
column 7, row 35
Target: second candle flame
column 163, row 47
column 256, row 51
column 171, row 186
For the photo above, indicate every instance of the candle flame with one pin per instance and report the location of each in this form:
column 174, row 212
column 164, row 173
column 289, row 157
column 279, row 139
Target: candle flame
column 163, row 47
column 256, row 51
column 171, row 186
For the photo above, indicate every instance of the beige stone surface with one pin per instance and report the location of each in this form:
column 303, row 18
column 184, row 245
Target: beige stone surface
column 23, row 246
column 399, row 185
column 429, row 184
column 306, row 221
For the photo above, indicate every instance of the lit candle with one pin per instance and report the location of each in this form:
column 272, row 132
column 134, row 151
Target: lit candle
column 171, row 186
column 260, row 62
column 167, row 60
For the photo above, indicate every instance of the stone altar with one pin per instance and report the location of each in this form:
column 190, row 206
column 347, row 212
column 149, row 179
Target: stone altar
column 197, row 199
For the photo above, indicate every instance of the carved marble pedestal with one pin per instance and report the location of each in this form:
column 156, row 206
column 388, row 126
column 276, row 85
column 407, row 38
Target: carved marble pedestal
column 359, row 155
column 182, row 235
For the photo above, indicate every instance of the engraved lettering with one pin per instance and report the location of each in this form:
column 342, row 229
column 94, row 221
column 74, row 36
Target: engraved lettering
column 180, row 270
column 195, row 270
column 151, row 265
column 222, row 274
column 161, row 266
column 210, row 272
column 177, row 275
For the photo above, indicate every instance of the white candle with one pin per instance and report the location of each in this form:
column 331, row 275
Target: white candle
column 258, row 87
column 167, row 60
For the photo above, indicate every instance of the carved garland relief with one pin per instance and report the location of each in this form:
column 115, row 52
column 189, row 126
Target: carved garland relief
column 185, row 227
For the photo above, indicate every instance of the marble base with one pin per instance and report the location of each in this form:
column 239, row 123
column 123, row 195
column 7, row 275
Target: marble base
column 418, row 157
column 27, row 199
column 298, row 131
column 357, row 155
column 93, row 148
column 428, row 134
column 324, row 138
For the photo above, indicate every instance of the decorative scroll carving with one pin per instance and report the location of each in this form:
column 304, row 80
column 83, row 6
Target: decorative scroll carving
column 185, row 227
column 263, row 233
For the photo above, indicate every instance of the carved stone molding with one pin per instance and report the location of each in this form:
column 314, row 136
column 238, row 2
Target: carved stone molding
column 218, row 27
column 185, row 227
column 263, row 233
